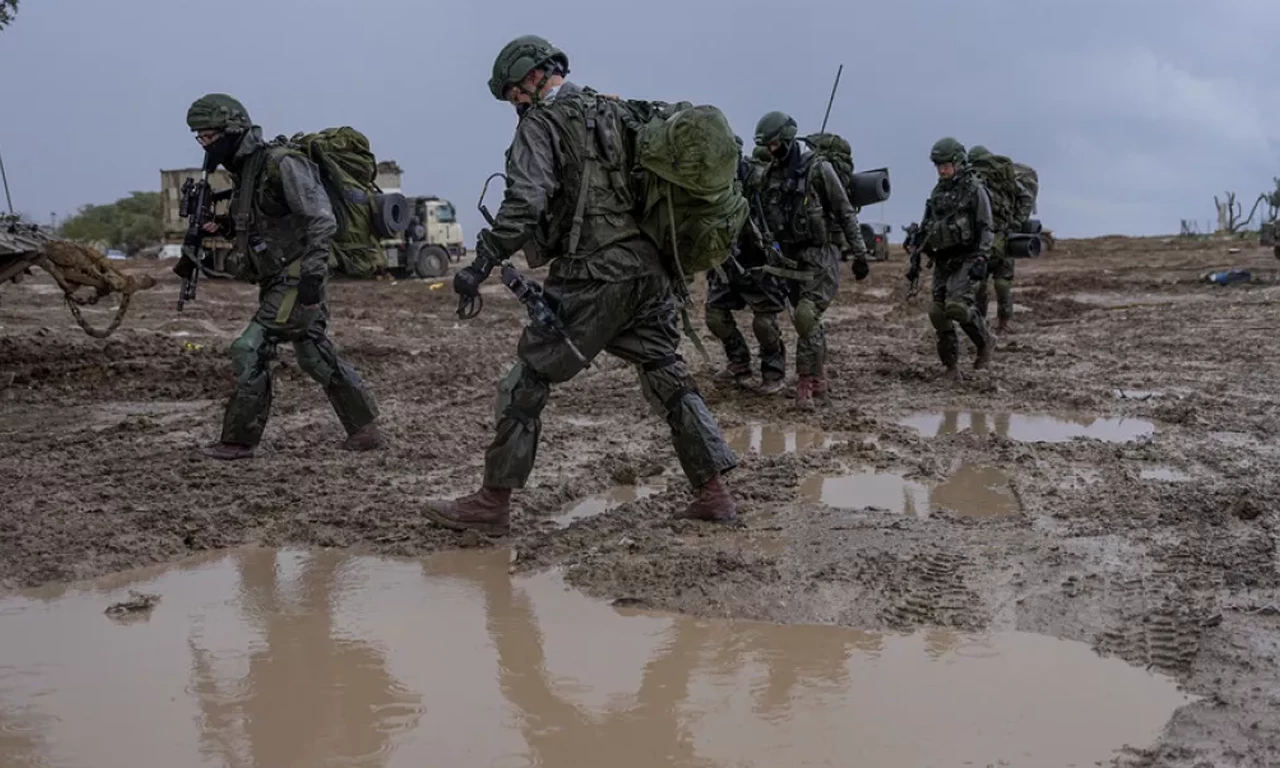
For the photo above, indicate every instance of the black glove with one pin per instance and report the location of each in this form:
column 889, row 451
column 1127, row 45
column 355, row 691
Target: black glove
column 913, row 274
column 979, row 269
column 309, row 290
column 467, row 281
column 860, row 267
column 186, row 266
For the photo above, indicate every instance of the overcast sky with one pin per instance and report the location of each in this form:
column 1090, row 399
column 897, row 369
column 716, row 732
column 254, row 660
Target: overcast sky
column 1134, row 112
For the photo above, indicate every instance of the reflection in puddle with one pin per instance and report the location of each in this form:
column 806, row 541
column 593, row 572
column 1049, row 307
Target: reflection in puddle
column 774, row 440
column 1039, row 428
column 1168, row 474
column 1137, row 394
column 603, row 502
column 971, row 491
column 339, row 659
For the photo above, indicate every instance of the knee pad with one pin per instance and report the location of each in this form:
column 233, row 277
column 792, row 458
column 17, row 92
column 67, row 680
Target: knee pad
column 720, row 322
column 958, row 311
column 765, row 326
column 807, row 317
column 938, row 315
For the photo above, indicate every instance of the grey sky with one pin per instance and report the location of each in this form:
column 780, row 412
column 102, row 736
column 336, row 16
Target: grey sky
column 1134, row 112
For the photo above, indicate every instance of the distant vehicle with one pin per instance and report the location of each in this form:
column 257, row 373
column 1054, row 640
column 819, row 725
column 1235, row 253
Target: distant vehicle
column 432, row 240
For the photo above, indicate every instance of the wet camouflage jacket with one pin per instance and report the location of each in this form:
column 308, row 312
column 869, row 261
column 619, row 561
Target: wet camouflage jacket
column 806, row 205
column 280, row 210
column 957, row 218
column 545, row 166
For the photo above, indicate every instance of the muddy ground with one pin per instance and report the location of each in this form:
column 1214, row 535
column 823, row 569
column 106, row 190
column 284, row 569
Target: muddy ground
column 1180, row 575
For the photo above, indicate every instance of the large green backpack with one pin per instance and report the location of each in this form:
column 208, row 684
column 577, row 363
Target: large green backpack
column 348, row 169
column 837, row 151
column 1028, row 178
column 687, row 160
column 997, row 173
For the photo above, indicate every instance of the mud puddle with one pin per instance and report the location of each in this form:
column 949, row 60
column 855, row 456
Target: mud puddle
column 603, row 502
column 776, row 439
column 288, row 658
column 972, row 490
column 1029, row 427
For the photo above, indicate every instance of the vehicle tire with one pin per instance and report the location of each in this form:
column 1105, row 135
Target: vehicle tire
column 428, row 261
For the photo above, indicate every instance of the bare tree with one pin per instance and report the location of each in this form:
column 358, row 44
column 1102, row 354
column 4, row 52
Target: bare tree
column 8, row 9
column 1228, row 214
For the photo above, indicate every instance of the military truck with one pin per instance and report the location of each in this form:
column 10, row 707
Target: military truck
column 432, row 240
column 876, row 237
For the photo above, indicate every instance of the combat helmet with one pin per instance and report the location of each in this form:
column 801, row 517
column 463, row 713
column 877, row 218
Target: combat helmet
column 978, row 152
column 220, row 112
column 775, row 126
column 519, row 57
column 947, row 150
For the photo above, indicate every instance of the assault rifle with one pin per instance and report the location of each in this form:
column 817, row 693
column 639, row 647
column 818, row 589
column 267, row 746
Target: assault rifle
column 528, row 292
column 916, row 248
column 196, row 206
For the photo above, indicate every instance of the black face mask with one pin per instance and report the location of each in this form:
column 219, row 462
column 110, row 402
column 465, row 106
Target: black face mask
column 781, row 152
column 221, row 151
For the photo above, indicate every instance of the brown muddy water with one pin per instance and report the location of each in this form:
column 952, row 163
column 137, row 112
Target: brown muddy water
column 276, row 659
column 1048, row 428
column 972, row 490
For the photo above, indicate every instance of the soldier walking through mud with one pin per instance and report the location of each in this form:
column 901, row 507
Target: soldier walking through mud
column 956, row 232
column 1011, row 205
column 283, row 223
column 571, row 204
column 803, row 204
column 741, row 283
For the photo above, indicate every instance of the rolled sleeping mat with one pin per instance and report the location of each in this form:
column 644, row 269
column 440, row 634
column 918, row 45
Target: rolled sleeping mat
column 390, row 214
column 1025, row 246
column 870, row 187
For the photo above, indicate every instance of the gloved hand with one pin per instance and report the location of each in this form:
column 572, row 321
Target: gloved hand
column 979, row 269
column 467, row 282
column 860, row 266
column 186, row 266
column 309, row 290
column 913, row 274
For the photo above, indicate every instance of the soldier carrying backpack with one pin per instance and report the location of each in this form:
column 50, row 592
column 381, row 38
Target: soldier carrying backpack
column 1010, row 205
column 642, row 198
column 282, row 220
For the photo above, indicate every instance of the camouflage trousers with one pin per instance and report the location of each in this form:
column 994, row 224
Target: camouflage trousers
column 811, row 299
column 281, row 318
column 953, row 304
column 634, row 320
column 1000, row 272
column 733, row 290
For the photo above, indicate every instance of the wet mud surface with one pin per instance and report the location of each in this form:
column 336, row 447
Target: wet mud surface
column 1111, row 481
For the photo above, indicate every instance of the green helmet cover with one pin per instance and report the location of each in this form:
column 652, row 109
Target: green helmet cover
column 978, row 152
column 218, row 111
column 947, row 150
column 775, row 126
column 518, row 58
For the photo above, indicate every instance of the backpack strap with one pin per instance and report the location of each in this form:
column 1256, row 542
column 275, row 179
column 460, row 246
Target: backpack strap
column 242, row 212
column 588, row 167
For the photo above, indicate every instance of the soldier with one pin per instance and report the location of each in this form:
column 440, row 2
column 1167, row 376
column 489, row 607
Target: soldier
column 283, row 222
column 607, row 282
column 1011, row 205
column 740, row 283
column 957, row 232
column 804, row 205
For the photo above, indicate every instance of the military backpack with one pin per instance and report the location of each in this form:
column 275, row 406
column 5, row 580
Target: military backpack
column 1028, row 178
column 837, row 151
column 349, row 170
column 998, row 175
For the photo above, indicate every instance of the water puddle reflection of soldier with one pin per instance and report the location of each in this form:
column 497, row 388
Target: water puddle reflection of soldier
column 309, row 696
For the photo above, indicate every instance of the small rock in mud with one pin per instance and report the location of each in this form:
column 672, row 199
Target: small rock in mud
column 137, row 602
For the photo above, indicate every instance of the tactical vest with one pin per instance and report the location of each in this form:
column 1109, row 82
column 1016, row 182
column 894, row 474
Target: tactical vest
column 264, row 226
column 951, row 225
column 581, row 220
column 793, row 213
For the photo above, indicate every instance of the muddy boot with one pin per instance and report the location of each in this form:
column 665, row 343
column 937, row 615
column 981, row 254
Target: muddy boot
column 1002, row 326
column 225, row 451
column 804, row 391
column 949, row 354
column 984, row 357
column 770, row 386
column 821, row 389
column 712, row 504
column 488, row 511
column 734, row 373
column 366, row 438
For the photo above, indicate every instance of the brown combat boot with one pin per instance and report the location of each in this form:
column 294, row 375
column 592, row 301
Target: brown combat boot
column 733, row 374
column 367, row 438
column 488, row 511
column 1002, row 326
column 804, row 391
column 771, row 386
column 712, row 504
column 821, row 389
column 226, row 451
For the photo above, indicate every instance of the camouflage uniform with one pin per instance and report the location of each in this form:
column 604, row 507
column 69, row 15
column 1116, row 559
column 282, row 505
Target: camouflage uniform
column 1001, row 265
column 740, row 283
column 607, row 284
column 957, row 231
column 283, row 223
column 804, row 204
